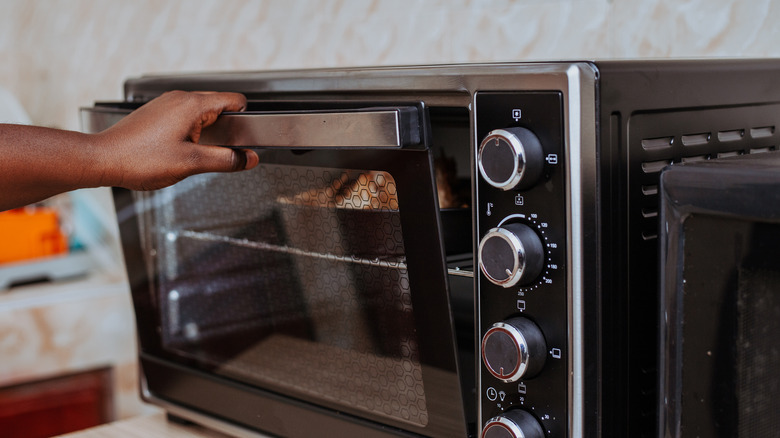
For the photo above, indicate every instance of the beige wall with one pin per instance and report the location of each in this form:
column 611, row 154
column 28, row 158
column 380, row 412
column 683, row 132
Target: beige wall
column 58, row 55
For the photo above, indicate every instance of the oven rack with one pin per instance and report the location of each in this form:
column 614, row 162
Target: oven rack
column 390, row 263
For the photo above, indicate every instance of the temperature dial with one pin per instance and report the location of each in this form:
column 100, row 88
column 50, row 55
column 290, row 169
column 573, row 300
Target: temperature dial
column 513, row 349
column 511, row 158
column 513, row 424
column 511, row 254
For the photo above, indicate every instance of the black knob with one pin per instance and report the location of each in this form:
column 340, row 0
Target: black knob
column 511, row 158
column 516, row 423
column 511, row 254
column 514, row 349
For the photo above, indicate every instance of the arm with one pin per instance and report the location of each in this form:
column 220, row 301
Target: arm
column 153, row 147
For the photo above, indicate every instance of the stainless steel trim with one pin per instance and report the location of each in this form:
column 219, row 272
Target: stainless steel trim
column 374, row 128
column 580, row 109
column 380, row 128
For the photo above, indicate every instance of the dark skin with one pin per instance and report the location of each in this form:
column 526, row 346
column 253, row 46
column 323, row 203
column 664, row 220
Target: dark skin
column 153, row 147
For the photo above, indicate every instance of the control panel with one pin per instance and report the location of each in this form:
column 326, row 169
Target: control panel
column 523, row 304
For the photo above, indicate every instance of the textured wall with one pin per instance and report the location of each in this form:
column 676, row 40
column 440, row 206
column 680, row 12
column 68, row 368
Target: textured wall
column 61, row 54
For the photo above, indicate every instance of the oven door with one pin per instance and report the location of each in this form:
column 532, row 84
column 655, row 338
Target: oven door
column 720, row 298
column 307, row 296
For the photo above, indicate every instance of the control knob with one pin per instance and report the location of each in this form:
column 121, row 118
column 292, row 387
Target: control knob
column 511, row 254
column 516, row 423
column 511, row 158
column 514, row 349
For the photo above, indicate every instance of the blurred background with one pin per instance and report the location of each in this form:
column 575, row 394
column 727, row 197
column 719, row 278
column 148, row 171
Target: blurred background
column 67, row 341
column 60, row 54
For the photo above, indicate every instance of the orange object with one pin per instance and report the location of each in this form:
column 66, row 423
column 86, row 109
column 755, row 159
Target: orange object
column 28, row 233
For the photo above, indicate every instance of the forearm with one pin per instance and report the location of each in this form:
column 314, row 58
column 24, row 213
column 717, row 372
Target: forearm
column 153, row 147
column 36, row 163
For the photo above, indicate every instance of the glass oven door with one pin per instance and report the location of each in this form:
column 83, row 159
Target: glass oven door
column 319, row 276
column 720, row 298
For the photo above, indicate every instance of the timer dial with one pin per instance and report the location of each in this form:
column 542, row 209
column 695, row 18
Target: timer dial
column 516, row 423
column 511, row 254
column 514, row 349
column 511, row 158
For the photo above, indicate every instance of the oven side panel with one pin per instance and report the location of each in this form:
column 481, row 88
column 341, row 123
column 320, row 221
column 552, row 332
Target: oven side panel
column 653, row 114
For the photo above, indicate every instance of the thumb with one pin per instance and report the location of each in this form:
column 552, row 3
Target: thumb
column 222, row 159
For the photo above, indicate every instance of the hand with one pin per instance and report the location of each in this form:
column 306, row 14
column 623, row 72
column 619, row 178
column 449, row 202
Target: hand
column 153, row 147
column 156, row 145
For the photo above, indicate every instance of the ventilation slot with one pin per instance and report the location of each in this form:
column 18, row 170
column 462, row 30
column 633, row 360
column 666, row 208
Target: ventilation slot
column 762, row 150
column 766, row 131
column 729, row 154
column 696, row 158
column 652, row 144
column 650, row 190
column 655, row 166
column 649, row 236
column 696, row 139
column 657, row 139
column 735, row 135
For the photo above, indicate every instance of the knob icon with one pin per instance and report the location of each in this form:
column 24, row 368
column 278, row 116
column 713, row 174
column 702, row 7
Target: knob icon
column 511, row 254
column 516, row 423
column 511, row 158
column 514, row 349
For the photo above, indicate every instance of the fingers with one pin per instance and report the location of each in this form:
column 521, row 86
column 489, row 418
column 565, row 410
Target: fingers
column 218, row 102
column 210, row 105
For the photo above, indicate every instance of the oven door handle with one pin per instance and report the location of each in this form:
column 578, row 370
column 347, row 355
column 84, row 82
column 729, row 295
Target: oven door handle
column 366, row 128
column 389, row 127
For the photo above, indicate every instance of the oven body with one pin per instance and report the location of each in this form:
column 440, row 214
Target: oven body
column 584, row 211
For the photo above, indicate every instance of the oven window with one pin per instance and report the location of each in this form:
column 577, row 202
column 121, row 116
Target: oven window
column 730, row 326
column 291, row 278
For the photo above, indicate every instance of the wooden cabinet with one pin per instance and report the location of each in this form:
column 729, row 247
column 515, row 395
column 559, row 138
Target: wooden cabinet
column 56, row 406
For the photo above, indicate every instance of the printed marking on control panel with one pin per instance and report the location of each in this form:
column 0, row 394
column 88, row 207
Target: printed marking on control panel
column 555, row 353
column 517, row 114
column 521, row 388
column 492, row 394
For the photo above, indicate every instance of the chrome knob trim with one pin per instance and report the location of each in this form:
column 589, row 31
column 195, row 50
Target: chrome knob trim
column 511, row 158
column 516, row 257
column 517, row 423
column 514, row 349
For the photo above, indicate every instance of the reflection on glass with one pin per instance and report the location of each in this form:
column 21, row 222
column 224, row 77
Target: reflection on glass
column 291, row 278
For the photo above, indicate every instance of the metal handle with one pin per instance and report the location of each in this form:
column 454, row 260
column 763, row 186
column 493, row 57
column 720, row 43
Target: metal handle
column 394, row 127
column 365, row 128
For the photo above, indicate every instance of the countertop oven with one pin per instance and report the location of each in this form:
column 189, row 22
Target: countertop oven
column 458, row 250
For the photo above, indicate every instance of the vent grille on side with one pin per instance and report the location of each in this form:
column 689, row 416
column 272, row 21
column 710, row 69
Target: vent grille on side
column 659, row 139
